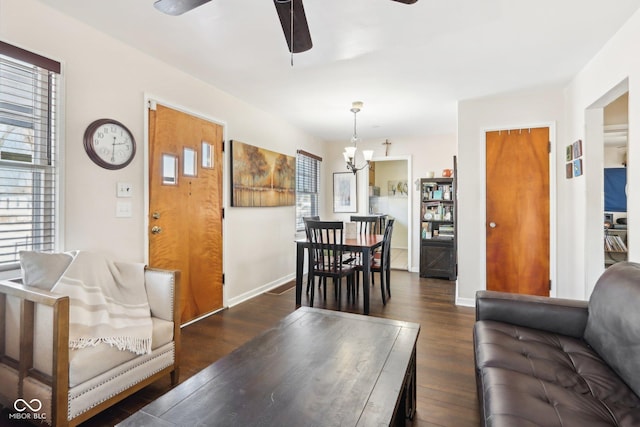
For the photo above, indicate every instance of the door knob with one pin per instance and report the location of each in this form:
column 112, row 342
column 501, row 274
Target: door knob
column 492, row 224
column 156, row 230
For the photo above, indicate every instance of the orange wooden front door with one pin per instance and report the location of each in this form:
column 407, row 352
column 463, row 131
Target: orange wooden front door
column 185, row 206
column 518, row 253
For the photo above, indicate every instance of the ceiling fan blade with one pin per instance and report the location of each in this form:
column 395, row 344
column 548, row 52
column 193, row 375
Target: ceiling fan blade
column 301, row 35
column 177, row 7
column 406, row 1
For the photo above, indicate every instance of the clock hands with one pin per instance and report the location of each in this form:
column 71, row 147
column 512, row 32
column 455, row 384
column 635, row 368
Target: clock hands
column 113, row 148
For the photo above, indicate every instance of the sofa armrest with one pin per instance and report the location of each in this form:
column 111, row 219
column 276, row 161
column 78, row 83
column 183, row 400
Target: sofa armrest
column 162, row 292
column 562, row 316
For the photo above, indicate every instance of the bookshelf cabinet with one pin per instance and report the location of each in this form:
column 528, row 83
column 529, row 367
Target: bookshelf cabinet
column 438, row 242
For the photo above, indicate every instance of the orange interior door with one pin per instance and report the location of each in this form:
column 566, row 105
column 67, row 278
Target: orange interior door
column 518, row 211
column 185, row 205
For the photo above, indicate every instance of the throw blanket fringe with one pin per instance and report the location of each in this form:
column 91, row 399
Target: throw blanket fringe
column 136, row 345
column 107, row 303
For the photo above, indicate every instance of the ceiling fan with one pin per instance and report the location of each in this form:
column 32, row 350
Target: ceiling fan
column 291, row 14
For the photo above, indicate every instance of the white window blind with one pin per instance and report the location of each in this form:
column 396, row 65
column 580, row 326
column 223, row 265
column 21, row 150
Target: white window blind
column 307, row 186
column 28, row 93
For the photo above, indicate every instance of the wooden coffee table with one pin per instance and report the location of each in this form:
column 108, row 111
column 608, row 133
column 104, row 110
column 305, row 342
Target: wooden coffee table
column 316, row 368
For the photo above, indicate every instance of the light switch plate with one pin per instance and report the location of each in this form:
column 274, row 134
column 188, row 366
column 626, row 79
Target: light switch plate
column 124, row 209
column 124, row 189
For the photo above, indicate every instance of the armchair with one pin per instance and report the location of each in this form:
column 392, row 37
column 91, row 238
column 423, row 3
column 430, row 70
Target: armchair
column 44, row 381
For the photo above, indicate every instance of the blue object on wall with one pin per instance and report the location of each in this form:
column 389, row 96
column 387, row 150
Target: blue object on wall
column 615, row 181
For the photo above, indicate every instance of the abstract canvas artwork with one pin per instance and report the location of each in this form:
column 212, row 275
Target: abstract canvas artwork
column 261, row 178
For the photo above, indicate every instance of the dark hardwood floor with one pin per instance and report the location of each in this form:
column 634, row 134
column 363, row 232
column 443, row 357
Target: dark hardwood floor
column 446, row 390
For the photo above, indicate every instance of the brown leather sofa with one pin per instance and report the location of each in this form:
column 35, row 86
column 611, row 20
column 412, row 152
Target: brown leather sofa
column 556, row 362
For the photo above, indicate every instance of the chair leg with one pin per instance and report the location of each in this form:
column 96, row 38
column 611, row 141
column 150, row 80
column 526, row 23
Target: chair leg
column 388, row 282
column 324, row 285
column 382, row 289
column 313, row 291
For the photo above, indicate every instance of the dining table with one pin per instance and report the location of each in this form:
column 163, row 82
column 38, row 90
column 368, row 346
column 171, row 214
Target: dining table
column 363, row 243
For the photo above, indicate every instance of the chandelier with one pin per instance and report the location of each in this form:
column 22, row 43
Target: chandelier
column 350, row 152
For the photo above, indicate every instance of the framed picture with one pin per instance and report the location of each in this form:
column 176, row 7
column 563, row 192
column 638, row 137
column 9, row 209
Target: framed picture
column 345, row 192
column 398, row 188
column 577, row 167
column 261, row 178
column 569, row 153
column 569, row 170
column 577, row 149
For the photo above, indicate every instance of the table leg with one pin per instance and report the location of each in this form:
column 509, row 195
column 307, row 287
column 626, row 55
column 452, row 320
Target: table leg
column 299, row 272
column 366, row 277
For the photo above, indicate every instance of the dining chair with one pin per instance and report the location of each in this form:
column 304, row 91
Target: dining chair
column 306, row 231
column 327, row 252
column 382, row 261
column 381, row 264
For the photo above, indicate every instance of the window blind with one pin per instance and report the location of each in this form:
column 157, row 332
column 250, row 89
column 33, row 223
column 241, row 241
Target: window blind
column 28, row 93
column 307, row 186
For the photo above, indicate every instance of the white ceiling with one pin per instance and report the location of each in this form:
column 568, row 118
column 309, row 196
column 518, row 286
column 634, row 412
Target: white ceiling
column 409, row 64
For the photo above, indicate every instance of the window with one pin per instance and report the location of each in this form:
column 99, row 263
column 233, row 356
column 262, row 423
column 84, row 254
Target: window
column 307, row 186
column 28, row 93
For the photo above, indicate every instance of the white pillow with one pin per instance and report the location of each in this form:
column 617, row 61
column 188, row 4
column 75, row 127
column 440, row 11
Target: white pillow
column 42, row 270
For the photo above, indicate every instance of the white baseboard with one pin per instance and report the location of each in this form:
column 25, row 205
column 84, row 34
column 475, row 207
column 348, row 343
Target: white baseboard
column 466, row 302
column 262, row 289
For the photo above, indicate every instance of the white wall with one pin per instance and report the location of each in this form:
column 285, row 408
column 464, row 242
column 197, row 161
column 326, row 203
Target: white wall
column 579, row 204
column 533, row 108
column 615, row 65
column 106, row 78
column 429, row 153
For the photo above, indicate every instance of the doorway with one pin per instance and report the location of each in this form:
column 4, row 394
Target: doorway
column 518, row 229
column 593, row 263
column 185, row 164
column 615, row 141
column 389, row 193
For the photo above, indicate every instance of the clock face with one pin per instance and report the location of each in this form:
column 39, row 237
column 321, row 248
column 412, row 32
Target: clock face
column 109, row 144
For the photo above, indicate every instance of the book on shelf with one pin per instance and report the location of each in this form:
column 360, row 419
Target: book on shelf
column 614, row 243
column 446, row 228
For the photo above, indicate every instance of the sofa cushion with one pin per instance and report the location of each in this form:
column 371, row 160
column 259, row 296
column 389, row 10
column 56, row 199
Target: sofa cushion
column 89, row 362
column 529, row 377
column 42, row 270
column 613, row 327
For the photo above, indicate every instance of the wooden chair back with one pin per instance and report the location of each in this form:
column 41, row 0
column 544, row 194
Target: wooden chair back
column 366, row 224
column 326, row 246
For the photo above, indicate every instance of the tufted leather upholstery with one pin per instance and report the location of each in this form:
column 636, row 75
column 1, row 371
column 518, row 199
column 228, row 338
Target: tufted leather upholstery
column 531, row 371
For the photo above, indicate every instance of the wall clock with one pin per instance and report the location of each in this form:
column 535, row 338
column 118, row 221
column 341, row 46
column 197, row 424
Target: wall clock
column 109, row 144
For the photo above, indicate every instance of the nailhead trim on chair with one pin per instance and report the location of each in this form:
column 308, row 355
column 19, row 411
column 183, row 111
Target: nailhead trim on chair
column 122, row 388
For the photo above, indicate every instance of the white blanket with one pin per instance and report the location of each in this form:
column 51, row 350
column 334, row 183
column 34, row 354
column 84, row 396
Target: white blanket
column 107, row 303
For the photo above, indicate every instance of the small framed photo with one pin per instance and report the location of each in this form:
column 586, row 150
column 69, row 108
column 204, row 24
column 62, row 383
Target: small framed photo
column 569, row 170
column 569, row 153
column 577, row 149
column 577, row 167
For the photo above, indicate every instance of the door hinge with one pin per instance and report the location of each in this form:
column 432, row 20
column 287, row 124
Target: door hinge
column 223, row 278
column 549, row 147
column 222, row 213
column 223, row 146
column 549, row 284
